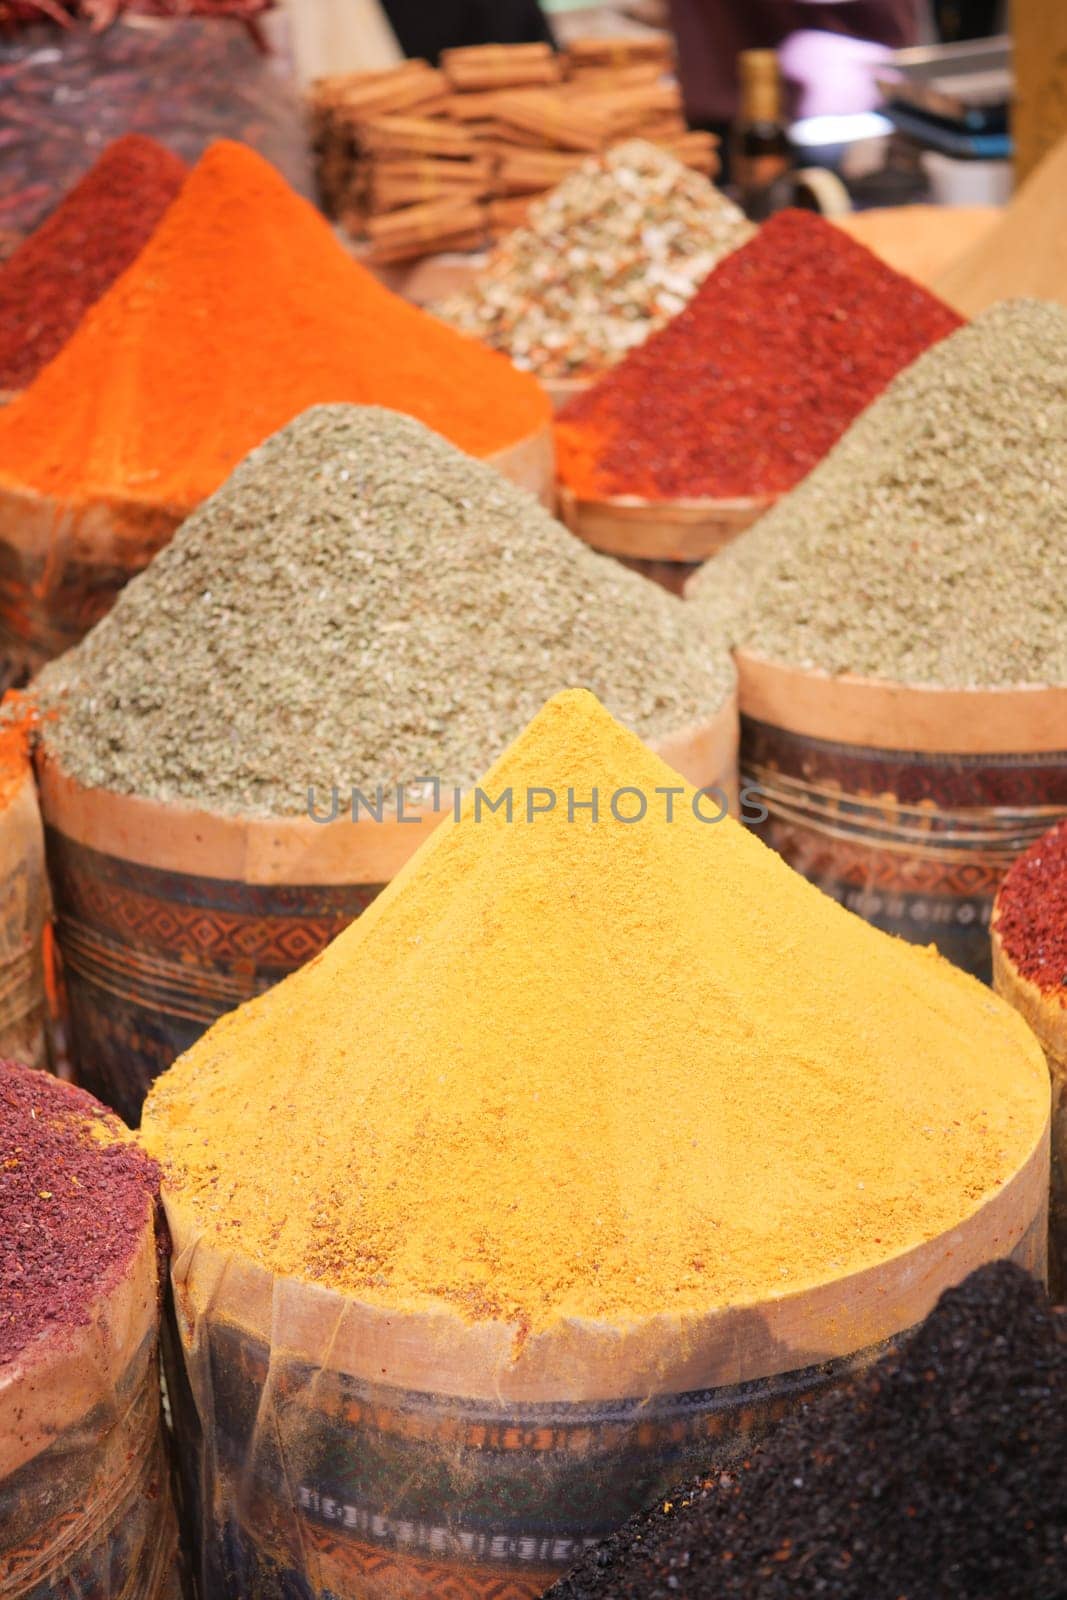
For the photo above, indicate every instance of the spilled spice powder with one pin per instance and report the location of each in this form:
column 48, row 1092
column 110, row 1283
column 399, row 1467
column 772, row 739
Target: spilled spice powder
column 784, row 344
column 74, row 1195
column 93, row 235
column 1031, row 914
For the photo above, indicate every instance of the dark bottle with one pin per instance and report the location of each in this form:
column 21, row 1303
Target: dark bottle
column 761, row 150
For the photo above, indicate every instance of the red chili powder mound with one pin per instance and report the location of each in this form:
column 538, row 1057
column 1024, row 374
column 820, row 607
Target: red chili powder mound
column 241, row 312
column 783, row 345
column 1031, row 914
column 62, row 269
column 72, row 1205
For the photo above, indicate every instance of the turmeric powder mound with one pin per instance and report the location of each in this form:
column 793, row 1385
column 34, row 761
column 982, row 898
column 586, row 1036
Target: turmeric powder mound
column 576, row 1066
column 242, row 311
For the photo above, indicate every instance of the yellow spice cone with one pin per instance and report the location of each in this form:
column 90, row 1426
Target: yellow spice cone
column 575, row 1067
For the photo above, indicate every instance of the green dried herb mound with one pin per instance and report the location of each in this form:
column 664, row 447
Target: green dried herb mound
column 930, row 546
column 361, row 603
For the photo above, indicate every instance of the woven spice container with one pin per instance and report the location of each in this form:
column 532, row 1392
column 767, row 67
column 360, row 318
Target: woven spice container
column 666, row 540
column 167, row 917
column 61, row 566
column 24, row 913
column 906, row 804
column 349, row 1451
column 85, row 1499
column 1047, row 1016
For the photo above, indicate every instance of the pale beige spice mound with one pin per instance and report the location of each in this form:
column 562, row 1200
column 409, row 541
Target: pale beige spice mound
column 930, row 546
column 361, row 604
column 613, row 252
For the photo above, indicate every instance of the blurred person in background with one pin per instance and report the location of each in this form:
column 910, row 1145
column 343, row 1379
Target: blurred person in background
column 425, row 29
column 828, row 51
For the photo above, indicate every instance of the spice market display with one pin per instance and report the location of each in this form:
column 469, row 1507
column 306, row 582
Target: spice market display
column 418, row 160
column 438, row 607
column 383, row 1173
column 92, row 236
column 533, row 811
column 1030, row 971
column 609, row 255
column 241, row 311
column 742, row 393
column 84, row 1480
column 930, row 547
column 940, row 1472
column 374, row 530
column 899, row 631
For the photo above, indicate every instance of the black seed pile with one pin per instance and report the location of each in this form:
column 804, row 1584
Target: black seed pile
column 941, row 1474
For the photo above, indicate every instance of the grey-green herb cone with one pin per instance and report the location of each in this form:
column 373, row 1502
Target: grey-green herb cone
column 361, row 603
column 930, row 546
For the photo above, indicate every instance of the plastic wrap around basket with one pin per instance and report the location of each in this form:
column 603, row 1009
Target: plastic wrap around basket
column 167, row 917
column 61, row 566
column 1047, row 1016
column 905, row 804
column 348, row 1452
column 85, row 1499
column 24, row 914
column 665, row 540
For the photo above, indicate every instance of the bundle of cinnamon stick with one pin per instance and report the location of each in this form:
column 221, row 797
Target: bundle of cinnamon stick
column 421, row 159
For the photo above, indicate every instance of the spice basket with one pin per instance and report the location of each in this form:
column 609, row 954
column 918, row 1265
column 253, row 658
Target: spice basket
column 666, row 540
column 167, row 917
column 906, row 804
column 562, row 390
column 530, row 463
column 85, row 1500
column 1048, row 1019
column 24, row 912
column 61, row 566
column 344, row 1450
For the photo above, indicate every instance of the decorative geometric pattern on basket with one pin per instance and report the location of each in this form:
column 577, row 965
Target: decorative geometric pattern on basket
column 342, row 1485
column 915, row 843
column 153, row 958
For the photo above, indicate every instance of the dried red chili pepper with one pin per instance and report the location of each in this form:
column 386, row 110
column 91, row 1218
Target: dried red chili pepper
column 93, row 235
column 73, row 1204
column 783, row 345
column 1031, row 917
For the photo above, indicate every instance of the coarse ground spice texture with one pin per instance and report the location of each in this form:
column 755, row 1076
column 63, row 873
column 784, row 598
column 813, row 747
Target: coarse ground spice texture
column 614, row 251
column 748, row 387
column 362, row 604
column 93, row 235
column 75, row 1194
column 939, row 1475
column 242, row 311
column 930, row 547
column 1031, row 914
column 558, row 1069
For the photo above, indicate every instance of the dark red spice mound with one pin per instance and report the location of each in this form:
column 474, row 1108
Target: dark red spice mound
column 939, row 1475
column 72, row 1208
column 1031, row 913
column 94, row 234
column 783, row 345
